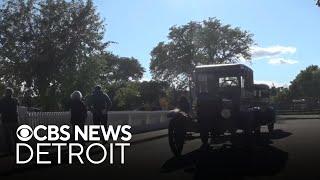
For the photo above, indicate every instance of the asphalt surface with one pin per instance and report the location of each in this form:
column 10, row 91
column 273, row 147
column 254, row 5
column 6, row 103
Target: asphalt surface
column 292, row 152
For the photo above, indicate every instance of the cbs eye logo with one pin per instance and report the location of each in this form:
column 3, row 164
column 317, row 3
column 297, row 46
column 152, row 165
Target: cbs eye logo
column 24, row 133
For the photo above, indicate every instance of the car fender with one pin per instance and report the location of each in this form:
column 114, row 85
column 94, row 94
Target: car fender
column 176, row 114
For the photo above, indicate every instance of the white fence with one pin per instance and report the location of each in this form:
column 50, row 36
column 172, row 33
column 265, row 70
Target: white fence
column 140, row 121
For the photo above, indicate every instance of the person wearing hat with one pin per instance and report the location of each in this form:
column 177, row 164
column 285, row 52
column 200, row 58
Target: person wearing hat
column 9, row 116
column 99, row 103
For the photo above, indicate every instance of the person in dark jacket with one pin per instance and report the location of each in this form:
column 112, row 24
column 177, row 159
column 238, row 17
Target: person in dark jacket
column 184, row 104
column 78, row 110
column 9, row 116
column 99, row 103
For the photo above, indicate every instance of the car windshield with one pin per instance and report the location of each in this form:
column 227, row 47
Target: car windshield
column 211, row 83
column 228, row 82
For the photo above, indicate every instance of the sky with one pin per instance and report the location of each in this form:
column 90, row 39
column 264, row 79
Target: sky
column 286, row 32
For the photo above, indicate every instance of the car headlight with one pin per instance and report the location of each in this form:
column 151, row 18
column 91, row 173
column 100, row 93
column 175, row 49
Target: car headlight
column 226, row 113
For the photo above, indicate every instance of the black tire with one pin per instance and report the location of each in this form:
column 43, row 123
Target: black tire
column 249, row 119
column 249, row 129
column 176, row 136
column 271, row 127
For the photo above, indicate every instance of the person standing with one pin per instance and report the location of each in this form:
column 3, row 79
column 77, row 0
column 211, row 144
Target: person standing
column 9, row 116
column 27, row 100
column 78, row 110
column 184, row 104
column 99, row 103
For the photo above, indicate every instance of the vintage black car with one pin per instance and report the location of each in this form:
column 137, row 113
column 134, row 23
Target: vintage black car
column 266, row 113
column 225, row 94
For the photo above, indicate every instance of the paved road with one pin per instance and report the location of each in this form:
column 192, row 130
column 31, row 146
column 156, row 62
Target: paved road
column 293, row 152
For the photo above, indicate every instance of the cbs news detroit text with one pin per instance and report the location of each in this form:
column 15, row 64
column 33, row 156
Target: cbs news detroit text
column 35, row 142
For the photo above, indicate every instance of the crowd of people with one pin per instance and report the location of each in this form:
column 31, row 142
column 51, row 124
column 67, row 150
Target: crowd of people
column 98, row 103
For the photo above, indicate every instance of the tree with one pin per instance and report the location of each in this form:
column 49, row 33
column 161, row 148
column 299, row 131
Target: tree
column 196, row 43
column 112, row 72
column 152, row 91
column 307, row 83
column 128, row 96
column 44, row 41
column 281, row 95
column 118, row 69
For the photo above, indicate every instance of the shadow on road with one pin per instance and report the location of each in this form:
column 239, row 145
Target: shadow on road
column 279, row 134
column 233, row 160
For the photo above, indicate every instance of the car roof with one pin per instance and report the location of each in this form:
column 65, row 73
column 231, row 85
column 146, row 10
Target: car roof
column 222, row 67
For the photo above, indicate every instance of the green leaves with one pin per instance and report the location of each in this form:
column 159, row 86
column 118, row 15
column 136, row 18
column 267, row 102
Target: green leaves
column 55, row 47
column 49, row 38
column 306, row 86
column 307, row 83
column 121, row 68
column 206, row 42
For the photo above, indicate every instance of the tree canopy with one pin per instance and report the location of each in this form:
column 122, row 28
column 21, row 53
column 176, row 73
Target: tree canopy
column 307, row 83
column 121, row 69
column 196, row 43
column 44, row 41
